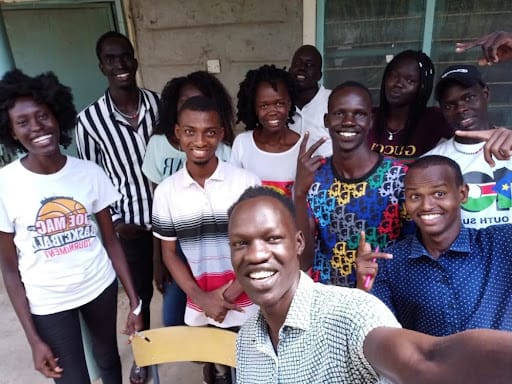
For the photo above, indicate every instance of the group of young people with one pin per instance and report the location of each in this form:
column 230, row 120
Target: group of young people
column 176, row 198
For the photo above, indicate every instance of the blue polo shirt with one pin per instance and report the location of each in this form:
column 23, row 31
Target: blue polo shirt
column 468, row 286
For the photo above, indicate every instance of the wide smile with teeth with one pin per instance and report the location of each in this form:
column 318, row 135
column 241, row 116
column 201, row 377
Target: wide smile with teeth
column 41, row 139
column 347, row 134
column 273, row 122
column 300, row 77
column 123, row 76
column 260, row 275
column 430, row 216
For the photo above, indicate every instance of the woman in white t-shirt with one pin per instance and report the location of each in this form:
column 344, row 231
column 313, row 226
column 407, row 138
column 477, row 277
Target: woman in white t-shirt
column 269, row 149
column 53, row 209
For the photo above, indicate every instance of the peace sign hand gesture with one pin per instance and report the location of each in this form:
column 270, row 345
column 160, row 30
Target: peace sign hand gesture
column 307, row 164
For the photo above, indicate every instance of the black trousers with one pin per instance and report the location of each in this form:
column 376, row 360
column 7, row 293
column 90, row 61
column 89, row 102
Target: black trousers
column 61, row 331
column 139, row 255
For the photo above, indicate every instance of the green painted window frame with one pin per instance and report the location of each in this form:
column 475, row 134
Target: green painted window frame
column 117, row 8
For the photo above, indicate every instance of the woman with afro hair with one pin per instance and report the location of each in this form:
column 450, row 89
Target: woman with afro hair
column 269, row 149
column 404, row 127
column 53, row 209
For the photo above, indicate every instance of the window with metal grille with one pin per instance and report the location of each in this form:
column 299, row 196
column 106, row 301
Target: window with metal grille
column 359, row 37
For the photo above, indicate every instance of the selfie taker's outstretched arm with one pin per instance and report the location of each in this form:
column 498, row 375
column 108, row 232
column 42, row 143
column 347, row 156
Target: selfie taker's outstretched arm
column 473, row 356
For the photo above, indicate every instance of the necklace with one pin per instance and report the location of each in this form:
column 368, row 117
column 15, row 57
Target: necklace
column 466, row 152
column 127, row 116
column 391, row 134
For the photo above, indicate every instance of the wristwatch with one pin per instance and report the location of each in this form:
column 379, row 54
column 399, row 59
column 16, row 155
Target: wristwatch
column 138, row 309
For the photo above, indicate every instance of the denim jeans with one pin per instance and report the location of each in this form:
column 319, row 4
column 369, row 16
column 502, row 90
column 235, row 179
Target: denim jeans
column 174, row 300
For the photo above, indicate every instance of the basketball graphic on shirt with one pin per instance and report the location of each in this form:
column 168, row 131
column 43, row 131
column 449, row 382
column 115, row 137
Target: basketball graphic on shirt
column 60, row 214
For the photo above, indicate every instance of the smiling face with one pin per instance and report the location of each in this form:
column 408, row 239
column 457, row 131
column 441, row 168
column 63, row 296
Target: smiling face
column 265, row 253
column 306, row 68
column 433, row 199
column 402, row 82
column 117, row 62
column 349, row 118
column 199, row 134
column 272, row 106
column 35, row 127
column 465, row 108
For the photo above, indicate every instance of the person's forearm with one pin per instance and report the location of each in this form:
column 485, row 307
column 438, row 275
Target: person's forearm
column 181, row 274
column 120, row 265
column 233, row 291
column 116, row 254
column 475, row 356
column 301, row 210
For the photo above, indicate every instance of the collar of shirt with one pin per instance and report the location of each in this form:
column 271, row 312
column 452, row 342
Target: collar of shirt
column 116, row 115
column 319, row 101
column 460, row 245
column 298, row 314
column 217, row 175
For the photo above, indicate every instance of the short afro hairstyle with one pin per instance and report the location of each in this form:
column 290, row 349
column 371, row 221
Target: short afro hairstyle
column 199, row 104
column 262, row 191
column 111, row 35
column 437, row 160
column 247, row 93
column 351, row 84
column 210, row 87
column 43, row 89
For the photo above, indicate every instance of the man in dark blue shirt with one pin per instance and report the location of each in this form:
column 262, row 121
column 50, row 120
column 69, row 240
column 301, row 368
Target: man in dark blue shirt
column 445, row 278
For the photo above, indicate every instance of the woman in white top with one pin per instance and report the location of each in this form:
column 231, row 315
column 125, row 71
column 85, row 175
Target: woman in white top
column 53, row 209
column 269, row 149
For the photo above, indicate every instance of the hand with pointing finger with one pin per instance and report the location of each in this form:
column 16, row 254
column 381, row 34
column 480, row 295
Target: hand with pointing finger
column 498, row 143
column 307, row 164
column 366, row 264
column 496, row 47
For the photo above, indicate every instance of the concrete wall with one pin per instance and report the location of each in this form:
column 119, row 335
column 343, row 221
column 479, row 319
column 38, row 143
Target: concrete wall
column 175, row 37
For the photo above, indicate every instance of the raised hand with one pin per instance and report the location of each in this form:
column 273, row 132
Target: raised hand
column 498, row 143
column 496, row 47
column 307, row 164
column 366, row 265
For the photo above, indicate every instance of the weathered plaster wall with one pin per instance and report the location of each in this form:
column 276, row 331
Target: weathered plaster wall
column 175, row 37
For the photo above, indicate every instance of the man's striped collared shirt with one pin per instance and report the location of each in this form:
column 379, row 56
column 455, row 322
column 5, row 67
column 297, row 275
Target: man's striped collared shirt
column 105, row 137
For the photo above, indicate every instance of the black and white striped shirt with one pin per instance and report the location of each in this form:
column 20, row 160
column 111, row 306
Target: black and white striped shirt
column 106, row 138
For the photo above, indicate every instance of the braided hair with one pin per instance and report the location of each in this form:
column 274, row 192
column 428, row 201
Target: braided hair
column 419, row 104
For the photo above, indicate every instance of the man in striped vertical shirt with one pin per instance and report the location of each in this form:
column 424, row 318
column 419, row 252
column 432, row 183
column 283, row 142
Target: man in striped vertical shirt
column 113, row 132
